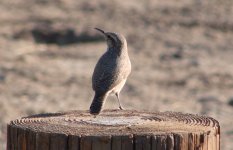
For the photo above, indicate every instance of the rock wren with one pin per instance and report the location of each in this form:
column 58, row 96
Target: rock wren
column 111, row 71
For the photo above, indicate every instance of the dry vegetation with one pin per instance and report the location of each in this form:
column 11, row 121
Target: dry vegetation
column 181, row 52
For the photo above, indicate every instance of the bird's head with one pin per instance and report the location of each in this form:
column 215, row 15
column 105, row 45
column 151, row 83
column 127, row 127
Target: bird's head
column 114, row 40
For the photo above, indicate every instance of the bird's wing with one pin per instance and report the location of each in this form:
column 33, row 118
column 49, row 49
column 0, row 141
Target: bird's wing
column 107, row 74
column 104, row 81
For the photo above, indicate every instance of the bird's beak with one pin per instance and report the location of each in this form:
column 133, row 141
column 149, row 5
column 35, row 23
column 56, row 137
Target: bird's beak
column 100, row 31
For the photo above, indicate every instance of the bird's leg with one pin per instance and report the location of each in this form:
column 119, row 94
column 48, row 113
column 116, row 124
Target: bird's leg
column 118, row 98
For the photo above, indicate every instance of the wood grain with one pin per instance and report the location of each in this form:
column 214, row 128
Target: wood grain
column 114, row 130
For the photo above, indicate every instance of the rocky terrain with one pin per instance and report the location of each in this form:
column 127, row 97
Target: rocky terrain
column 181, row 54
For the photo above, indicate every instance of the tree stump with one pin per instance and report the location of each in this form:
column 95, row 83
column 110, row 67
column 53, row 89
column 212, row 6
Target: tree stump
column 114, row 130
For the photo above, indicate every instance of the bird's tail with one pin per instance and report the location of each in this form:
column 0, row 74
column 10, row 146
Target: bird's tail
column 97, row 103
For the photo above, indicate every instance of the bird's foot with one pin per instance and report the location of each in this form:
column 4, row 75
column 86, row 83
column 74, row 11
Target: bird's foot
column 121, row 108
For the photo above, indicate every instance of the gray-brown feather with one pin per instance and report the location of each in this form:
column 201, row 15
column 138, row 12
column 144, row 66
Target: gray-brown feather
column 109, row 72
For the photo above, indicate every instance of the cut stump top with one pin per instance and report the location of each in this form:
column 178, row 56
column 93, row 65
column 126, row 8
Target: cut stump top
column 118, row 122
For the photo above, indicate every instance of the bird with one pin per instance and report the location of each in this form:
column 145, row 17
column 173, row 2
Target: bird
column 111, row 71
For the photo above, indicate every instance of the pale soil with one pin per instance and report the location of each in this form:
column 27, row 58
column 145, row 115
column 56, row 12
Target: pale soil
column 181, row 55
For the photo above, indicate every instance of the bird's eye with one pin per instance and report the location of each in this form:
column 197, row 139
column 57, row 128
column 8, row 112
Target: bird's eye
column 111, row 37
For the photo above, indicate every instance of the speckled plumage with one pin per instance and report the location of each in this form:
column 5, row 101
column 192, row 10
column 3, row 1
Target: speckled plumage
column 111, row 71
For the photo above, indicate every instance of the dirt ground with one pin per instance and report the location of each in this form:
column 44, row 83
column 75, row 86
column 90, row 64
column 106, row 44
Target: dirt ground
column 181, row 54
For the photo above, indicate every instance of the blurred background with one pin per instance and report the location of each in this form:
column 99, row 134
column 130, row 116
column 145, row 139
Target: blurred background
column 181, row 54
